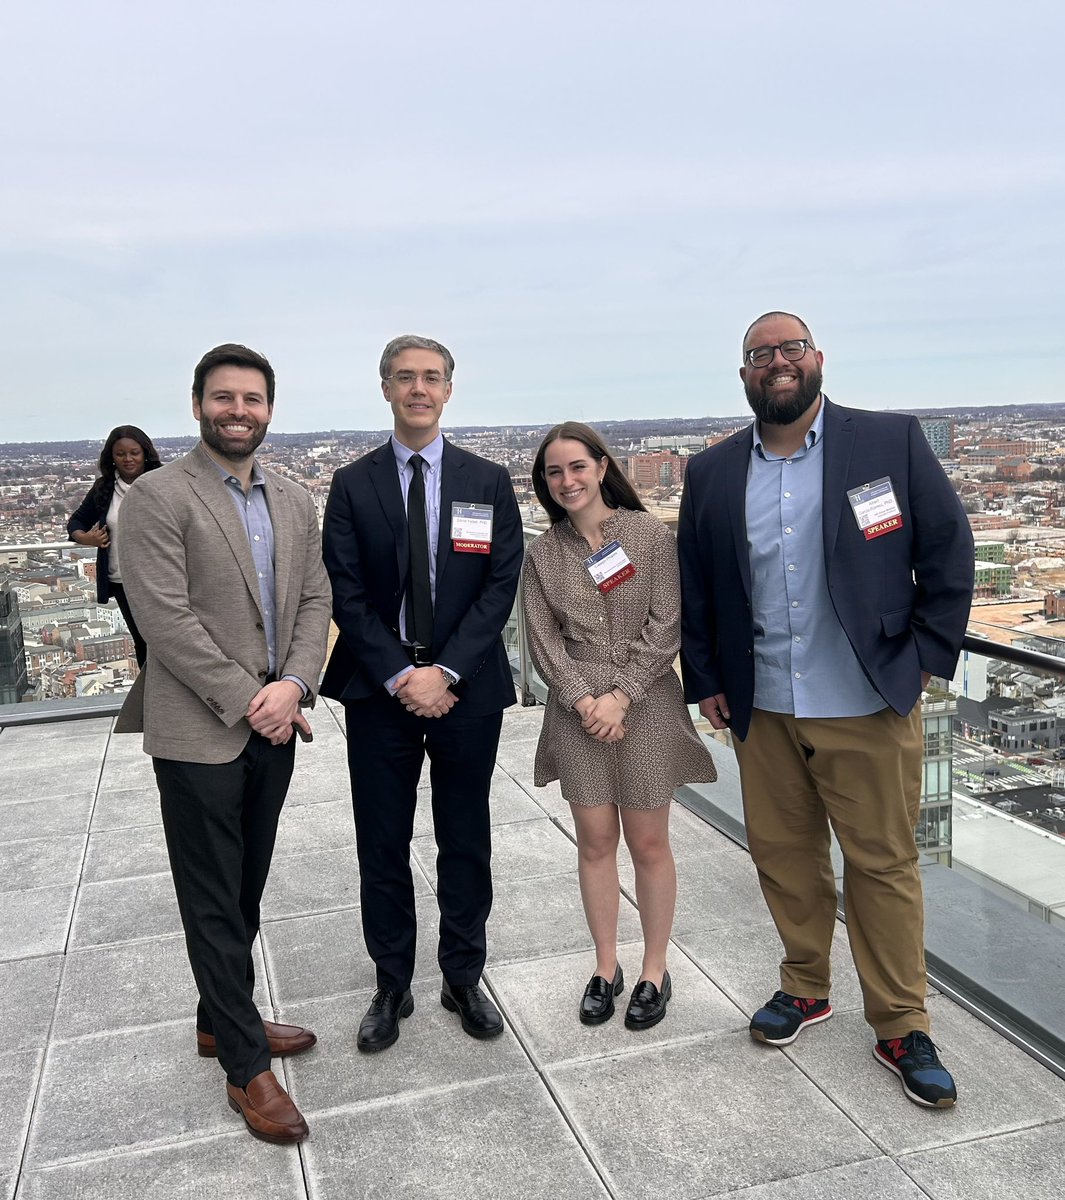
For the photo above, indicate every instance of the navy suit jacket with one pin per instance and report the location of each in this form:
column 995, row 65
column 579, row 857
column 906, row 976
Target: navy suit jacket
column 365, row 551
column 903, row 598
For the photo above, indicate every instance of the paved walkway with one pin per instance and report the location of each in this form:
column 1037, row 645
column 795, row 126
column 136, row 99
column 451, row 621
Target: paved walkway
column 104, row 1096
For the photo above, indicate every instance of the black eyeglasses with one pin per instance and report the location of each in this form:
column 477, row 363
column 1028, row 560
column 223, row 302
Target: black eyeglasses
column 762, row 356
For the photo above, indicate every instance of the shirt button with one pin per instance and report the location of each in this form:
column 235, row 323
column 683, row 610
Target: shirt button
column 797, row 638
column 787, row 495
column 787, row 529
column 794, row 604
column 257, row 538
column 798, row 674
column 791, row 566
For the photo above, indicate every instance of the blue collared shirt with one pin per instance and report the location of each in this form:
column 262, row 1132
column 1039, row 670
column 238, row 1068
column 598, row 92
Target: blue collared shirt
column 803, row 661
column 254, row 515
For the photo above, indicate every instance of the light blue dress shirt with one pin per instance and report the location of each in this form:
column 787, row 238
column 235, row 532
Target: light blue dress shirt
column 803, row 661
column 254, row 515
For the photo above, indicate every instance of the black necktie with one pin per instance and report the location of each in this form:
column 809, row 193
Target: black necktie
column 419, row 597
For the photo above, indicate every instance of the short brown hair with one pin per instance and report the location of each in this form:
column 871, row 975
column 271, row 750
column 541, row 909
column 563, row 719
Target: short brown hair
column 232, row 354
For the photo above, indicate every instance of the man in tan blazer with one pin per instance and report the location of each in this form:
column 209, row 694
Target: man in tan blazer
column 226, row 579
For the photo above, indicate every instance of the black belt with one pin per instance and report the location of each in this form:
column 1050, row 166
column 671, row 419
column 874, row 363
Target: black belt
column 420, row 656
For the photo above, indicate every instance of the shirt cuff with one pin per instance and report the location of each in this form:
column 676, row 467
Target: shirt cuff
column 296, row 679
column 392, row 685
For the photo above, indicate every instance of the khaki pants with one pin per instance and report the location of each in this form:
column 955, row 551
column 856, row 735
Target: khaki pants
column 862, row 774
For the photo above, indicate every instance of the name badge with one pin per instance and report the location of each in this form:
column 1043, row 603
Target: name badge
column 875, row 508
column 609, row 566
column 471, row 528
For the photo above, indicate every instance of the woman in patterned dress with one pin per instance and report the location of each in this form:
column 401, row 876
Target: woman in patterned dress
column 602, row 609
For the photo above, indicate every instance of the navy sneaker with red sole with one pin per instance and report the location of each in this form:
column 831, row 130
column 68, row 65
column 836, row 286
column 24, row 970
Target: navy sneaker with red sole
column 785, row 1016
column 914, row 1060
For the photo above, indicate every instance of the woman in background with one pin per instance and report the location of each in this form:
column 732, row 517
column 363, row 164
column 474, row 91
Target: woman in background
column 602, row 608
column 127, row 453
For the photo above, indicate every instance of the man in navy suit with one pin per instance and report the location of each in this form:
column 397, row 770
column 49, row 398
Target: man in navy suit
column 827, row 574
column 423, row 545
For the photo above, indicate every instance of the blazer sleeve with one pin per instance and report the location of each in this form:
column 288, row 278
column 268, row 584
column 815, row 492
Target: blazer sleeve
column 651, row 654
column 560, row 672
column 943, row 560
column 84, row 516
column 310, row 633
column 375, row 646
column 153, row 543
column 698, row 656
column 476, row 635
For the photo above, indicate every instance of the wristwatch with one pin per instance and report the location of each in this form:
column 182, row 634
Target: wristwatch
column 449, row 676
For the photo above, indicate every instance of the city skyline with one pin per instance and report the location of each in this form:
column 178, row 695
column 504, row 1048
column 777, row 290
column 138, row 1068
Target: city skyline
column 588, row 204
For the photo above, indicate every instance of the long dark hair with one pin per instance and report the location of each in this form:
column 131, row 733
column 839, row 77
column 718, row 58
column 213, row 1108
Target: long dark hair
column 104, row 487
column 616, row 490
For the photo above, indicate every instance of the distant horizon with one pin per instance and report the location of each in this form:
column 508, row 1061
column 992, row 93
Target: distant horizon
column 385, row 431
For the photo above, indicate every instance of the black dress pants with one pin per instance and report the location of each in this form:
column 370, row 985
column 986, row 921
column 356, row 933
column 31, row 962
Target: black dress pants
column 139, row 648
column 386, row 747
column 220, row 822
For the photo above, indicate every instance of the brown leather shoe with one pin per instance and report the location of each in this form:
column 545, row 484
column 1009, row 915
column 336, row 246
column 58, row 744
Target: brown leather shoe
column 283, row 1039
column 268, row 1110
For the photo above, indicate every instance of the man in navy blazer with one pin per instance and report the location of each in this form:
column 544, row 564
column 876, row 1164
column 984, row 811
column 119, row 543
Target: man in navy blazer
column 423, row 544
column 827, row 574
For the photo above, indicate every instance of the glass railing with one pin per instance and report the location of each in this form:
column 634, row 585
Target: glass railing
column 59, row 649
column 991, row 831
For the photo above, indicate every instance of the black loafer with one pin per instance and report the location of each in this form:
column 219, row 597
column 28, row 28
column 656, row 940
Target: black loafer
column 380, row 1027
column 597, row 1003
column 648, row 1004
column 480, row 1017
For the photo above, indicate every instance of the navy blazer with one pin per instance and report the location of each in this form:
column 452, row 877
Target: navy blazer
column 903, row 598
column 364, row 539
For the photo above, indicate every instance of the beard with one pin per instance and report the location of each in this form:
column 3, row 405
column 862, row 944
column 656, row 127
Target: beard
column 234, row 449
column 783, row 410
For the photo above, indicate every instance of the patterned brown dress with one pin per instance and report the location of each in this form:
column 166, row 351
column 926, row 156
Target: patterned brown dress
column 586, row 642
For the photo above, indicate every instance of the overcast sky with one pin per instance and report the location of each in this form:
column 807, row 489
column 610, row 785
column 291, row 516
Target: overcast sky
column 588, row 202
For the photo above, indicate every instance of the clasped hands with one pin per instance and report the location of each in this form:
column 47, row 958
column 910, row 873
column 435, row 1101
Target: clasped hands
column 603, row 716
column 274, row 711
column 425, row 692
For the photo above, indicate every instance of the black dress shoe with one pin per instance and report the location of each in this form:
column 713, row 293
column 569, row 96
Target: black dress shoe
column 480, row 1017
column 597, row 1003
column 647, row 1005
column 380, row 1027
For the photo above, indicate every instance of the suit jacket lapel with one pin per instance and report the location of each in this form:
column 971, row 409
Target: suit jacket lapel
column 206, row 481
column 839, row 445
column 737, row 464
column 384, row 476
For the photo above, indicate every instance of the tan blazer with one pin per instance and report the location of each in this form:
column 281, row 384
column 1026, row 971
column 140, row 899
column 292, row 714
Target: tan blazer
column 193, row 588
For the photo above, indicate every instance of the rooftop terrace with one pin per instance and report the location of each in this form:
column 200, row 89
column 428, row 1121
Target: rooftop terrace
column 104, row 1095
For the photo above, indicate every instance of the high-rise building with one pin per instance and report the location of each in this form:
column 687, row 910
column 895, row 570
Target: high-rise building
column 940, row 434
column 14, row 682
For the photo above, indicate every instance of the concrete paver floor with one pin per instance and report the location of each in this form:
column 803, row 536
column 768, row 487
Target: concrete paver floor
column 105, row 1097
